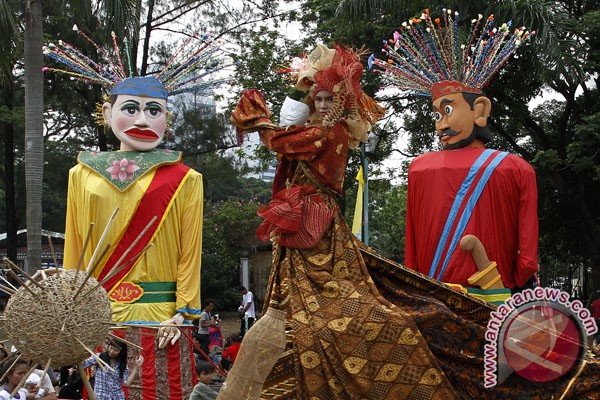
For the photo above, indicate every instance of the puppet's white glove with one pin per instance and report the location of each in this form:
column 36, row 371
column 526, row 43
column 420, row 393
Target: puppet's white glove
column 169, row 333
column 293, row 112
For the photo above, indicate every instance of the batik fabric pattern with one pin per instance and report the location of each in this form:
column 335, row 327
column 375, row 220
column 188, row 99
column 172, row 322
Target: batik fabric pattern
column 348, row 342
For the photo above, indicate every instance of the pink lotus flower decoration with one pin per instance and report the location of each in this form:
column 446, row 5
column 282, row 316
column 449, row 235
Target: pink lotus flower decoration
column 122, row 170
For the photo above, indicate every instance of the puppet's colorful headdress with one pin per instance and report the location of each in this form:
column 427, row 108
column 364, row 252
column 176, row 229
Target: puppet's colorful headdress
column 197, row 65
column 427, row 58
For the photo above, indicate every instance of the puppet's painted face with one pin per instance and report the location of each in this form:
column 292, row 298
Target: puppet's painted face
column 138, row 122
column 454, row 120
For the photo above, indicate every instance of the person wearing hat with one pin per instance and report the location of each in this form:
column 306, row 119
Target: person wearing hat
column 150, row 188
column 32, row 384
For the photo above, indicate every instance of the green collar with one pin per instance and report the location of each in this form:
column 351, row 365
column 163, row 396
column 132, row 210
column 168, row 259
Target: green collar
column 122, row 168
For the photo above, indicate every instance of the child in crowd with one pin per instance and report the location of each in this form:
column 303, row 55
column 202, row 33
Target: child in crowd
column 215, row 337
column 230, row 353
column 205, row 372
column 107, row 383
column 13, row 370
column 215, row 354
column 32, row 384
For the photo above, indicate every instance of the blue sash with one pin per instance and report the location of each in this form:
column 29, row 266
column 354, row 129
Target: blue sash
column 466, row 215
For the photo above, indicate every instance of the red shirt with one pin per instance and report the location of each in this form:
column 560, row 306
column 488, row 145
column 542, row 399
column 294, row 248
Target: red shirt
column 232, row 351
column 505, row 217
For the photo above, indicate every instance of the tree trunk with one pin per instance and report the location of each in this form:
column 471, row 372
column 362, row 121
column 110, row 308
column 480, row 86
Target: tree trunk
column 34, row 138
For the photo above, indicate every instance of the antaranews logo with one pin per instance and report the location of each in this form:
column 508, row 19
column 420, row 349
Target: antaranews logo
column 540, row 334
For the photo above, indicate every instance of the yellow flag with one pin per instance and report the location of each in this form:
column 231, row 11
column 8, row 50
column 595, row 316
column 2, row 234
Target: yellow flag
column 358, row 210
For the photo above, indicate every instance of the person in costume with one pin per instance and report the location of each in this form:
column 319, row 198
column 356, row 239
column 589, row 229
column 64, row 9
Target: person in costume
column 145, row 247
column 347, row 341
column 466, row 188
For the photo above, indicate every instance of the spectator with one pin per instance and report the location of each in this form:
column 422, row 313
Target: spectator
column 13, row 371
column 46, row 378
column 215, row 337
column 206, row 322
column 205, row 372
column 230, row 353
column 71, row 384
column 215, row 354
column 34, row 390
column 108, row 384
column 12, row 378
column 246, row 310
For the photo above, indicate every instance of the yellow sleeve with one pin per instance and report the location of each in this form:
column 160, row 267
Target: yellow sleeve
column 189, row 266
column 73, row 241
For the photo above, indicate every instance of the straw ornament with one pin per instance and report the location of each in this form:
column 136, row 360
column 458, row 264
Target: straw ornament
column 45, row 323
column 425, row 56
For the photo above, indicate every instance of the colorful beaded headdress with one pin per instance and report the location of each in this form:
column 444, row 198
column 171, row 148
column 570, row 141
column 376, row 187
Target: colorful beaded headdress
column 426, row 58
column 195, row 66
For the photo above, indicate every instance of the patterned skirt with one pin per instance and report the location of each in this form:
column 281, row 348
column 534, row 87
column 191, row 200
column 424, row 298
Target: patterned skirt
column 348, row 342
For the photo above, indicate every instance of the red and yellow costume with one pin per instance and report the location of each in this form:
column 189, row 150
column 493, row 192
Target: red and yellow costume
column 165, row 280
column 348, row 341
column 504, row 218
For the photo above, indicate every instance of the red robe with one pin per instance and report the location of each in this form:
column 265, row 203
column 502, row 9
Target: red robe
column 504, row 218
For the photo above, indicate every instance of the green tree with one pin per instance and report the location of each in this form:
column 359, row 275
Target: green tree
column 10, row 117
column 228, row 231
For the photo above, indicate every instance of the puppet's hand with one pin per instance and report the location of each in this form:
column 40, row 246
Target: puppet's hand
column 139, row 361
column 169, row 333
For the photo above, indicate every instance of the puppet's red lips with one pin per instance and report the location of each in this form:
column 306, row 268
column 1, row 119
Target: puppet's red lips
column 142, row 134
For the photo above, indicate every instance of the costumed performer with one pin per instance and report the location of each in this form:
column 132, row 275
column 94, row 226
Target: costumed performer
column 151, row 268
column 348, row 342
column 466, row 188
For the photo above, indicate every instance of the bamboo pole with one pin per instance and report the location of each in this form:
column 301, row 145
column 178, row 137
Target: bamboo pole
column 117, row 270
column 53, row 255
column 101, row 241
column 10, row 271
column 129, row 343
column 25, row 274
column 137, row 239
column 86, row 381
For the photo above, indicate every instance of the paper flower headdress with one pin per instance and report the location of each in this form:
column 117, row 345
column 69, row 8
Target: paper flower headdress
column 427, row 58
column 195, row 66
column 339, row 72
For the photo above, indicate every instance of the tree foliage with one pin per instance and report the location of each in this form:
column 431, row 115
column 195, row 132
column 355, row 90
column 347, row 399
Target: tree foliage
column 557, row 71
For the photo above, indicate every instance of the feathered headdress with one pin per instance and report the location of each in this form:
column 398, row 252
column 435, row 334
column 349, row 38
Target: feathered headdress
column 426, row 58
column 195, row 66
column 339, row 72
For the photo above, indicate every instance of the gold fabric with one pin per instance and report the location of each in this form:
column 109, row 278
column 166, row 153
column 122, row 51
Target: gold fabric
column 348, row 341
